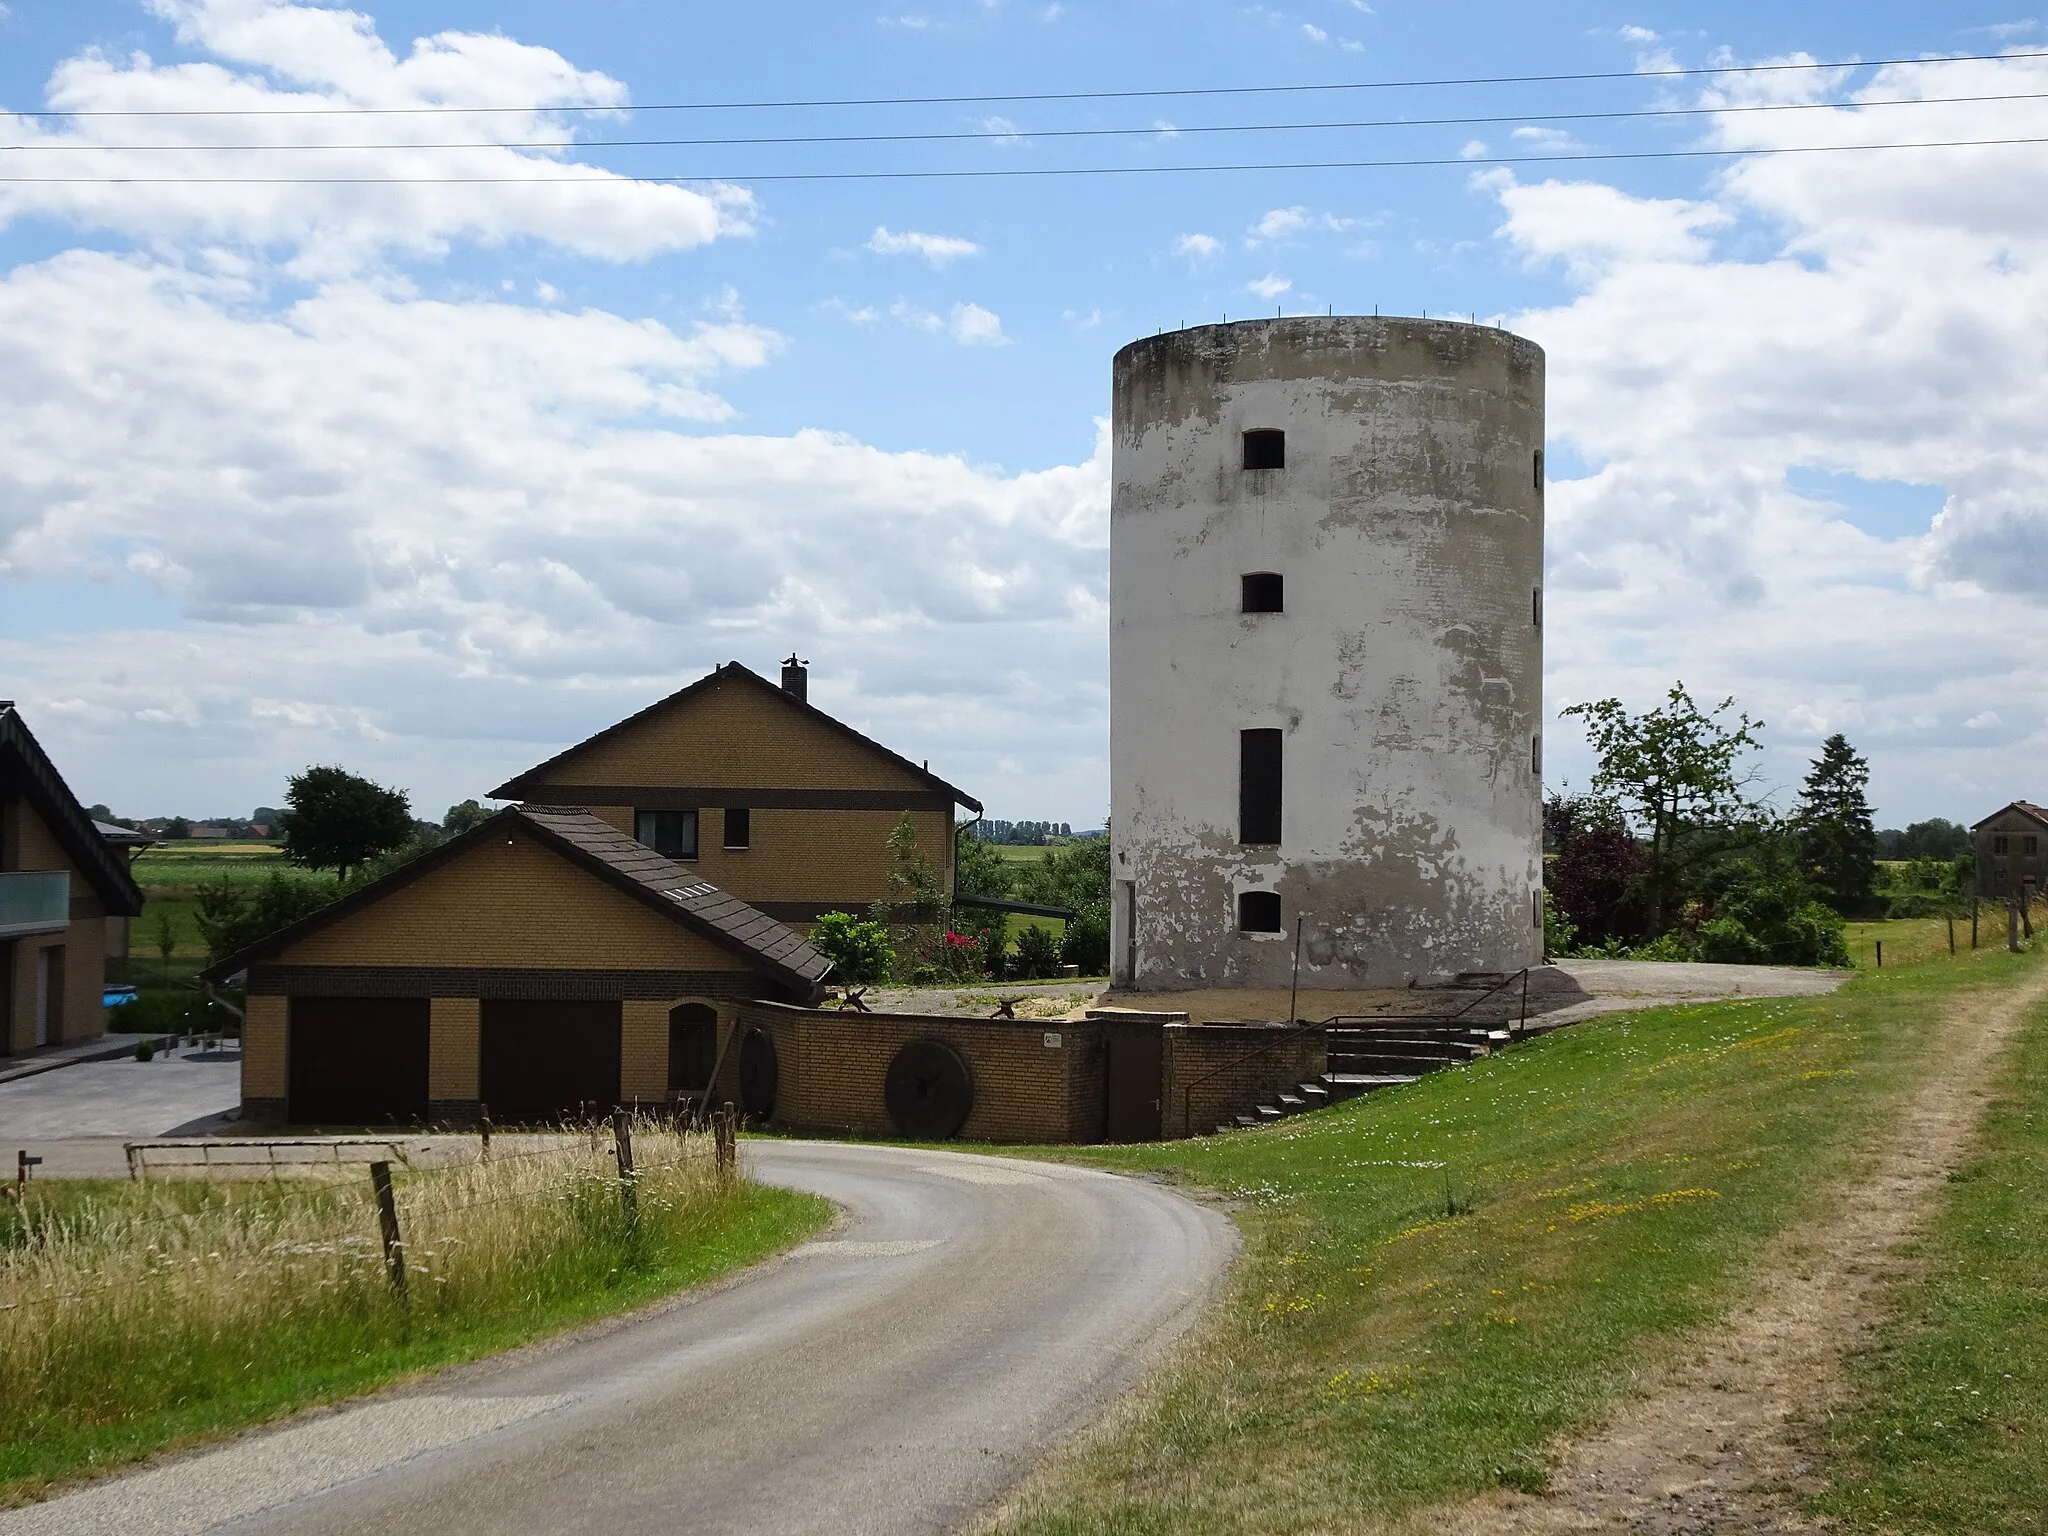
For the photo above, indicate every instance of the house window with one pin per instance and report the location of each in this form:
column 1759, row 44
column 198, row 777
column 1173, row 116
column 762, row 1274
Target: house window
column 1258, row 911
column 739, row 827
column 1265, row 448
column 1258, row 786
column 1265, row 592
column 672, row 834
column 2030, row 845
column 1998, row 845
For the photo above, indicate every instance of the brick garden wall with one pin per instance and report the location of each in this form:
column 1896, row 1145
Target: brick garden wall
column 1237, row 1086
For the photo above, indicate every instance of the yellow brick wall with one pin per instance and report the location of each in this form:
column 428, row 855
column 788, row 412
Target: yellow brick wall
column 263, row 1048
column 509, row 902
column 31, row 844
column 643, row 1052
column 801, row 855
column 732, row 734
column 454, row 1035
column 832, row 1069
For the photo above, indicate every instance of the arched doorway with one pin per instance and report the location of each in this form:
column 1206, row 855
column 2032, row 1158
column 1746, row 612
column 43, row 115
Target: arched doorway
column 692, row 1047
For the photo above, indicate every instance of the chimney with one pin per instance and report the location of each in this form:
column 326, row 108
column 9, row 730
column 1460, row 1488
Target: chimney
column 796, row 678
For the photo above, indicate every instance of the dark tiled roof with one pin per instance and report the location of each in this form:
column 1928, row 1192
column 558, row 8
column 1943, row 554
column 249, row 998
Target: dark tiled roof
column 530, row 782
column 665, row 881
column 601, row 849
column 27, row 770
column 2038, row 812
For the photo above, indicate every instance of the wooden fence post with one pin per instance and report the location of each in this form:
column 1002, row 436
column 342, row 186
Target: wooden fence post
column 1951, row 933
column 387, row 1221
column 725, row 1139
column 1880, row 954
column 622, row 1146
column 483, row 1128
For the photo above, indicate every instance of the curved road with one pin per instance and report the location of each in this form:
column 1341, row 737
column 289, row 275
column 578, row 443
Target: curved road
column 896, row 1376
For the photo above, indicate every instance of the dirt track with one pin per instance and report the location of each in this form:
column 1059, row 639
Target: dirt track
column 1709, row 1449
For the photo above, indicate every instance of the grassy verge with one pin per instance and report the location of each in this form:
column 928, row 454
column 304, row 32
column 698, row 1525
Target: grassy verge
column 1909, row 940
column 1944, row 1431
column 1440, row 1280
column 138, row 1318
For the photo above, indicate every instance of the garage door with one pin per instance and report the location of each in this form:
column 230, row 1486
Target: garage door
column 357, row 1061
column 549, row 1060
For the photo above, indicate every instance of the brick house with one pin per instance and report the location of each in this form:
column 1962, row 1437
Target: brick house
column 2009, row 844
column 65, row 900
column 542, row 964
column 753, row 788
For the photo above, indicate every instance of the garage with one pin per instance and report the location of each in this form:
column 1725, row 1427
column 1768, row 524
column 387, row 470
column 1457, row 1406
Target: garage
column 548, row 1060
column 357, row 1061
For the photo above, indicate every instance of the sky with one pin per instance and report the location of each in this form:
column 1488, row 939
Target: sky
column 427, row 442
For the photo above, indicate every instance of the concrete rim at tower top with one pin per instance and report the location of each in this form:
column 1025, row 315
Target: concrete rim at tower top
column 1355, row 328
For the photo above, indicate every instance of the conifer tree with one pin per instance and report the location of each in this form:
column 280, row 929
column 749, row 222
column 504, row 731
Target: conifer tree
column 1836, row 835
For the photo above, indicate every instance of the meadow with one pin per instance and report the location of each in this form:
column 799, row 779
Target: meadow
column 1441, row 1280
column 139, row 1317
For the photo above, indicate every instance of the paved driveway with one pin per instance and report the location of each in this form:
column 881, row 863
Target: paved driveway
column 896, row 1376
column 95, row 1106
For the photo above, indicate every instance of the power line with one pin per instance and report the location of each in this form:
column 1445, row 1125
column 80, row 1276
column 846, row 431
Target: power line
column 608, row 178
column 1177, row 92
column 1004, row 135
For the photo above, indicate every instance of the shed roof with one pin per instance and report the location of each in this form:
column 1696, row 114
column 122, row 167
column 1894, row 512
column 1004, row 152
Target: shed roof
column 533, row 781
column 2039, row 813
column 26, row 769
column 602, row 850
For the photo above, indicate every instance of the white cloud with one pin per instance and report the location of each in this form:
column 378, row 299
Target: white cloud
column 973, row 326
column 268, row 55
column 1197, row 247
column 1872, row 316
column 1633, row 34
column 1007, row 135
column 1279, row 224
column 936, row 249
column 1314, row 33
column 1983, row 722
column 1473, row 149
column 1547, row 140
column 1268, row 287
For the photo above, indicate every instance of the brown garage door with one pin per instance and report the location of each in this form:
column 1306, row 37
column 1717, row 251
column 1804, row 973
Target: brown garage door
column 357, row 1061
column 549, row 1060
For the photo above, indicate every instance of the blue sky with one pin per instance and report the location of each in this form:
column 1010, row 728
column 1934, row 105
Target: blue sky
column 430, row 484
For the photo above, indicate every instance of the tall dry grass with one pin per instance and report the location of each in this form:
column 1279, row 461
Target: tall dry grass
column 149, row 1298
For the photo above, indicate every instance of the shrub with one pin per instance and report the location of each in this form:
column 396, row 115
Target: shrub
column 1560, row 933
column 1595, row 883
column 232, row 916
column 1038, row 953
column 171, row 1011
column 858, row 949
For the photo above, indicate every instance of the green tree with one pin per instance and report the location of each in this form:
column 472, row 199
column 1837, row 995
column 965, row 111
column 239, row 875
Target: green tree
column 1076, row 876
column 234, row 915
column 859, row 950
column 978, row 870
column 1673, row 770
column 1833, row 825
column 461, row 818
column 339, row 820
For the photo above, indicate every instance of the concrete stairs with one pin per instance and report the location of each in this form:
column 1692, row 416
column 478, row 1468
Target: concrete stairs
column 1364, row 1058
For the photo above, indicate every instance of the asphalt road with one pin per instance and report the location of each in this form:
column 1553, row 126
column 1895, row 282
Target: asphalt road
column 896, row 1376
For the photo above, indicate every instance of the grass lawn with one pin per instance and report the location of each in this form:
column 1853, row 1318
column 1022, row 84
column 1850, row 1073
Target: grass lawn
column 1909, row 940
column 1020, row 853
column 1441, row 1279
column 1945, row 1429
column 184, row 1310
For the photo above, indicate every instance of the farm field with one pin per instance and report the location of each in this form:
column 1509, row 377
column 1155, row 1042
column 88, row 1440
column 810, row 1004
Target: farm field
column 1444, row 1283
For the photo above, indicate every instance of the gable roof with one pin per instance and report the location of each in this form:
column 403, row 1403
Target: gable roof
column 2039, row 813
column 533, row 780
column 26, row 768
column 601, row 850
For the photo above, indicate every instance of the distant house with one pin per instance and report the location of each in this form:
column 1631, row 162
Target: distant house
column 65, row 900
column 754, row 788
column 2009, row 845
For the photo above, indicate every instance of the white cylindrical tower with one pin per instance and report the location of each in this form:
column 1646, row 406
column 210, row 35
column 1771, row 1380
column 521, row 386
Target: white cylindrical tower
column 1326, row 665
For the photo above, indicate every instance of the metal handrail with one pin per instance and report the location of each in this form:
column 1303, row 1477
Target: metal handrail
column 1342, row 1020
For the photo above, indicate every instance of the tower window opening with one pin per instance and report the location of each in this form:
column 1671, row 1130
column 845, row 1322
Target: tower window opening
column 1536, row 606
column 1535, row 754
column 1265, row 448
column 1265, row 592
column 1258, row 911
column 1539, row 471
column 1258, row 786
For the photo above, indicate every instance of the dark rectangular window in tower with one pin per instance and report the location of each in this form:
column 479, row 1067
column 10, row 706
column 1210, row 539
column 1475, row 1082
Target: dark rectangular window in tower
column 1265, row 448
column 1265, row 592
column 1258, row 911
column 1258, row 786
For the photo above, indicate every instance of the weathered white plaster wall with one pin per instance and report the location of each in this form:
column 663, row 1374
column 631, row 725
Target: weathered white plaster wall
column 1405, row 675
